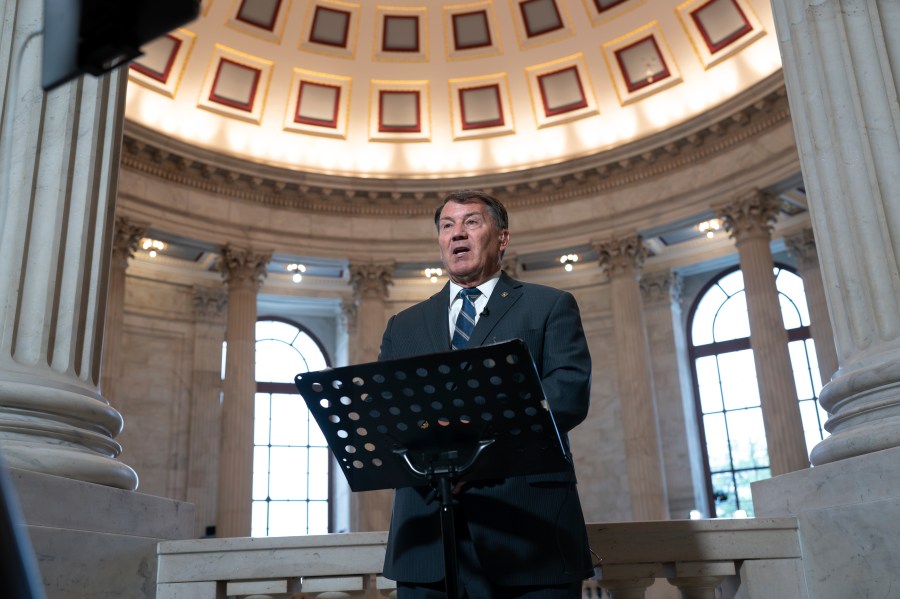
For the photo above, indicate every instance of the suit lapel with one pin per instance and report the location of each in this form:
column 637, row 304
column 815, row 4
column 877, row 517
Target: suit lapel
column 436, row 319
column 505, row 294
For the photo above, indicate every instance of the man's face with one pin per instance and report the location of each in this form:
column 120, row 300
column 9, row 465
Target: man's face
column 470, row 242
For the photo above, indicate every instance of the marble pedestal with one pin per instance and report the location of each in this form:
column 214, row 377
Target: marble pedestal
column 96, row 541
column 848, row 516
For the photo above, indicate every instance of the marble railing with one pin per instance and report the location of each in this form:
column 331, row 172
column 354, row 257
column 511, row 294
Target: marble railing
column 700, row 559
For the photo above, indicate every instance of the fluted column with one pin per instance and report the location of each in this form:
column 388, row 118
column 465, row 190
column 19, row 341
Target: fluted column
column 371, row 510
column 622, row 259
column 56, row 231
column 748, row 219
column 803, row 246
column 244, row 271
column 125, row 241
column 842, row 57
column 676, row 410
column 206, row 395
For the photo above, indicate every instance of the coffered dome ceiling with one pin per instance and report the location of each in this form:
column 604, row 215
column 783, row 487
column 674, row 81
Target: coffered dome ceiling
column 444, row 89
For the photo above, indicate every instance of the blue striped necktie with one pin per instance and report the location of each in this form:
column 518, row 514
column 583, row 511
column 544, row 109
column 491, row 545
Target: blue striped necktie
column 465, row 322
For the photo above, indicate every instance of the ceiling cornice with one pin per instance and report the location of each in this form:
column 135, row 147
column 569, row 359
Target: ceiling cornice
column 757, row 110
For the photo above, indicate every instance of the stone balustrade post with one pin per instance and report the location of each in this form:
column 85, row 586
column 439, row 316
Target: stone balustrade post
column 698, row 580
column 622, row 259
column 748, row 219
column 628, row 581
column 244, row 271
column 803, row 246
column 370, row 510
column 56, row 233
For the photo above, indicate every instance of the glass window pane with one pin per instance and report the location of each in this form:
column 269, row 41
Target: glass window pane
column 316, row 438
column 723, row 494
column 318, row 473
column 732, row 321
column 274, row 329
column 748, row 439
column 716, row 442
column 289, row 420
column 260, row 472
column 739, row 385
column 732, row 282
column 261, row 420
column 259, row 518
column 744, row 480
column 318, row 517
column 708, row 382
column 800, row 365
column 287, row 518
column 789, row 313
column 315, row 360
column 812, row 426
column 792, row 286
column 814, row 361
column 704, row 315
column 277, row 362
column 288, row 478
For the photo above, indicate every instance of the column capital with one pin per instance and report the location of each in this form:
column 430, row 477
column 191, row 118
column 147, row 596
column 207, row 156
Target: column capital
column 371, row 280
column 621, row 256
column 661, row 287
column 350, row 314
column 510, row 264
column 803, row 246
column 209, row 303
column 240, row 265
column 125, row 240
column 750, row 216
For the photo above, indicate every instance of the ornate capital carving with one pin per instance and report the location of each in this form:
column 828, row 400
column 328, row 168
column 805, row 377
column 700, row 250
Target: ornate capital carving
column 126, row 239
column 510, row 264
column 621, row 256
column 209, row 303
column 243, row 266
column 803, row 246
column 371, row 280
column 750, row 216
column 662, row 286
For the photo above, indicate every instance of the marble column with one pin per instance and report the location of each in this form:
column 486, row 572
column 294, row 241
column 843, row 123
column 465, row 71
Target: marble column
column 60, row 154
column 370, row 510
column 679, row 434
column 842, row 67
column 206, row 405
column 803, row 246
column 748, row 220
column 622, row 258
column 244, row 271
column 125, row 242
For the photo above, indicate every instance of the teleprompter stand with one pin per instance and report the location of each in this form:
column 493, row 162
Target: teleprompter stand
column 437, row 419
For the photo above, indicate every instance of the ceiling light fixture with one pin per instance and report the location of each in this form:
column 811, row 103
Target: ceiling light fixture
column 709, row 227
column 432, row 274
column 296, row 270
column 153, row 246
column 568, row 261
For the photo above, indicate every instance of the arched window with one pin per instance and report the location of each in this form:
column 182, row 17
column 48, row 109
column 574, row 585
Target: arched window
column 726, row 387
column 290, row 455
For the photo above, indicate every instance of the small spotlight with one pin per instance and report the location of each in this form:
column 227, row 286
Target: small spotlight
column 432, row 274
column 296, row 270
column 568, row 261
column 709, row 227
column 153, row 246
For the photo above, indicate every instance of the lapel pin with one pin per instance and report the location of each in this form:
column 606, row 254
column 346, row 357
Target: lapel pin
column 504, row 293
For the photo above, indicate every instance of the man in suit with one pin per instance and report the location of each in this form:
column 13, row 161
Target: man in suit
column 524, row 536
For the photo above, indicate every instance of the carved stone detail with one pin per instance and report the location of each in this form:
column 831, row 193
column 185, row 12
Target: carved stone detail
column 621, row 256
column 242, row 266
column 209, row 303
column 750, row 216
column 126, row 239
column 662, row 286
column 371, row 280
column 349, row 315
column 510, row 264
column 803, row 246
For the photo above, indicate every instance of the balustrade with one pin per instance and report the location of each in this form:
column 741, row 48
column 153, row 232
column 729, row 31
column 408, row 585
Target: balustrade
column 701, row 559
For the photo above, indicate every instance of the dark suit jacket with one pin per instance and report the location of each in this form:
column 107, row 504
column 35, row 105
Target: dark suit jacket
column 527, row 530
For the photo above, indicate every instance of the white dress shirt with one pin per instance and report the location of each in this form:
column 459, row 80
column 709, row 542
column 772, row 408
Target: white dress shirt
column 480, row 302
